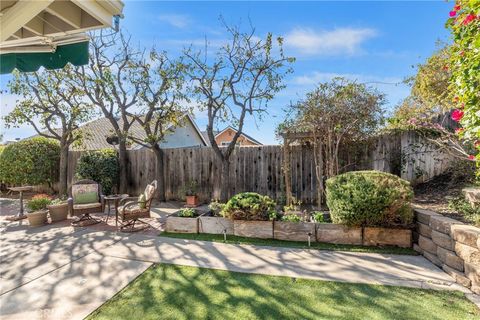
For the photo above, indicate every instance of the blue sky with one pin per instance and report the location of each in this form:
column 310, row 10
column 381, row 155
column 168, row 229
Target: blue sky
column 373, row 42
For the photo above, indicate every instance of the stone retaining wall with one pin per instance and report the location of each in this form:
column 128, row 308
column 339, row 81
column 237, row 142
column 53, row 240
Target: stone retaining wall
column 451, row 245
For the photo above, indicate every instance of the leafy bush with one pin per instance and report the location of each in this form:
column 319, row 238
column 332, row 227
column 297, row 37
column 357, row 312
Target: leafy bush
column 250, row 206
column 39, row 202
column 187, row 213
column 33, row 161
column 216, row 207
column 462, row 206
column 318, row 217
column 369, row 198
column 291, row 217
column 100, row 166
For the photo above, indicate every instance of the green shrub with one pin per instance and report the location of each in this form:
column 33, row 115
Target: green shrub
column 318, row 217
column 462, row 206
column 32, row 161
column 100, row 166
column 250, row 206
column 187, row 213
column 217, row 207
column 39, row 202
column 369, row 198
column 291, row 217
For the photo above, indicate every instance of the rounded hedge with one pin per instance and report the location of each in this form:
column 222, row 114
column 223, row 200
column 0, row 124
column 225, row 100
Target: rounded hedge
column 369, row 198
column 250, row 206
column 100, row 166
column 32, row 161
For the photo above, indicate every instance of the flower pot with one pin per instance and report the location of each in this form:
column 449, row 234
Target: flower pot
column 58, row 212
column 37, row 218
column 192, row 201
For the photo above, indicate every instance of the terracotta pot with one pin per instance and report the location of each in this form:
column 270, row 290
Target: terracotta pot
column 58, row 212
column 37, row 218
column 192, row 201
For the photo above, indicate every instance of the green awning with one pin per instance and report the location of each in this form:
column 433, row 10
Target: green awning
column 76, row 54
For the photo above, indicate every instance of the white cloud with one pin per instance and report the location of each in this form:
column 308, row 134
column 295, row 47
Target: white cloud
column 334, row 42
column 176, row 20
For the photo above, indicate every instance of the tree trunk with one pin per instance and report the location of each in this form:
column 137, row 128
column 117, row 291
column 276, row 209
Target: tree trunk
column 122, row 165
column 160, row 176
column 224, row 180
column 62, row 188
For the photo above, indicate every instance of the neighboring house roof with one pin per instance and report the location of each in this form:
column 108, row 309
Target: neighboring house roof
column 242, row 134
column 97, row 131
column 216, row 133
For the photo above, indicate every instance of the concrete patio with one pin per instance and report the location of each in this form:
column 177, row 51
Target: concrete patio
column 60, row 272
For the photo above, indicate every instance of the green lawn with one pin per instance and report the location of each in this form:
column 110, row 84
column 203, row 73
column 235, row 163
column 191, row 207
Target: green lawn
column 177, row 292
column 290, row 244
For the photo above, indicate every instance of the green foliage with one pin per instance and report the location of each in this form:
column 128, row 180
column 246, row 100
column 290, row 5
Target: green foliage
column 33, row 161
column 217, row 207
column 250, row 206
column 462, row 206
column 39, row 202
column 190, row 189
column 100, row 166
column 464, row 65
column 187, row 213
column 291, row 217
column 369, row 198
column 294, row 206
column 318, row 217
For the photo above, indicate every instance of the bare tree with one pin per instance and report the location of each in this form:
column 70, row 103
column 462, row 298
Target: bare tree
column 238, row 81
column 111, row 82
column 53, row 107
column 162, row 101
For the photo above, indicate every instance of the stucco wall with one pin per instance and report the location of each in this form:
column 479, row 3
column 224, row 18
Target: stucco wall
column 183, row 136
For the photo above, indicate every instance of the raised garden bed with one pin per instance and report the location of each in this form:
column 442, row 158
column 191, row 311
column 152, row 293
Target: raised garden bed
column 387, row 237
column 253, row 229
column 215, row 225
column 294, row 231
column 337, row 233
column 181, row 224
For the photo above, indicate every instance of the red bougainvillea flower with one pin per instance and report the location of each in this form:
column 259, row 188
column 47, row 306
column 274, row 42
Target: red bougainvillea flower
column 456, row 8
column 470, row 157
column 469, row 18
column 445, row 68
column 453, row 13
column 457, row 115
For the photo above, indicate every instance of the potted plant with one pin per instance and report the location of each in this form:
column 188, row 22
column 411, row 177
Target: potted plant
column 184, row 221
column 252, row 215
column 37, row 209
column 190, row 192
column 58, row 210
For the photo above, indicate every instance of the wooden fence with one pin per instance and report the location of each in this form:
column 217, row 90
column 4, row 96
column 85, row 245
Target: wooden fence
column 259, row 168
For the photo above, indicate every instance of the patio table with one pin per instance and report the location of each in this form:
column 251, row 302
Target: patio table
column 20, row 215
column 115, row 199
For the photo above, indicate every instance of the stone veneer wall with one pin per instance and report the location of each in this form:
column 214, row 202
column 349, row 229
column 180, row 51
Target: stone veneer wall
column 451, row 245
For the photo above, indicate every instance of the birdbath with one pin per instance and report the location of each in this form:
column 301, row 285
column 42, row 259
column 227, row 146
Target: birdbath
column 20, row 190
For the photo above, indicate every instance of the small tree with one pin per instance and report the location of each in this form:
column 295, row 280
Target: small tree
column 53, row 107
column 111, row 82
column 161, row 97
column 238, row 81
column 464, row 23
column 336, row 114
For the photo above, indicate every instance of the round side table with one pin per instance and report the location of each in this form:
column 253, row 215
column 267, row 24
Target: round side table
column 115, row 199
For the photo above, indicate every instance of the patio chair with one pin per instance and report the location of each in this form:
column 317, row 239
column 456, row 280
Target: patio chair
column 132, row 209
column 86, row 198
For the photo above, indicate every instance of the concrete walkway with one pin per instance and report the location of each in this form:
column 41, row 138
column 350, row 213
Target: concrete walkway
column 58, row 272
